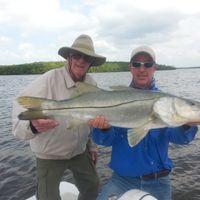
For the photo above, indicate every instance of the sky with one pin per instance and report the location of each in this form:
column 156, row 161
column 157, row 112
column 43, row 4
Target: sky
column 34, row 30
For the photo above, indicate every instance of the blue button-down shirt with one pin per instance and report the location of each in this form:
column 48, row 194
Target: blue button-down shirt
column 149, row 155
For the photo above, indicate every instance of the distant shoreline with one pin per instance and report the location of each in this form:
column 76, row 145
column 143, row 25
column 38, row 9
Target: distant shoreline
column 42, row 67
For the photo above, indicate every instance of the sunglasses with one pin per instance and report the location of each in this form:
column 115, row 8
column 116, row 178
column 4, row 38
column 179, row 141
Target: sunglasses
column 77, row 56
column 146, row 64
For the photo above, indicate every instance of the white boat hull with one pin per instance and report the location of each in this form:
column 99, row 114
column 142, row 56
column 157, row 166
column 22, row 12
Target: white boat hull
column 69, row 191
column 136, row 195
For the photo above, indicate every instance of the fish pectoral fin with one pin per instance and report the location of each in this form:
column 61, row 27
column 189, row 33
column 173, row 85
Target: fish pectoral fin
column 136, row 135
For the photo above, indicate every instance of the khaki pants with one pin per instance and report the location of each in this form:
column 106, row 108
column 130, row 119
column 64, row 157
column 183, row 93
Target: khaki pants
column 50, row 172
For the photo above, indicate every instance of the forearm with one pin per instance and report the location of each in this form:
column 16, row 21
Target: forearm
column 91, row 145
column 103, row 137
column 183, row 134
column 20, row 128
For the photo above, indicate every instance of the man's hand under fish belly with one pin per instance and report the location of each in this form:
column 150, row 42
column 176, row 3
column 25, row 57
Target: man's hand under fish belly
column 99, row 122
column 43, row 125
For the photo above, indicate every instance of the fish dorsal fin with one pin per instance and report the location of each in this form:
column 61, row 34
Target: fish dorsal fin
column 82, row 88
column 120, row 87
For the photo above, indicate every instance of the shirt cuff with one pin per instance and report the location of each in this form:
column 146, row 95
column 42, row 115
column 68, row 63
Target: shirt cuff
column 33, row 129
column 186, row 127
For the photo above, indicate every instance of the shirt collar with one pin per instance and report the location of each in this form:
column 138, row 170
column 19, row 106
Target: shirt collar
column 68, row 79
column 151, row 86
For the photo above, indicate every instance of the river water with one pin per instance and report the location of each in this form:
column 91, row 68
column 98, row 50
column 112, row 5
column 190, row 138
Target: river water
column 17, row 164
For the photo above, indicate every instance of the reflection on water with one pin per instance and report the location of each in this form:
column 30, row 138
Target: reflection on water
column 17, row 164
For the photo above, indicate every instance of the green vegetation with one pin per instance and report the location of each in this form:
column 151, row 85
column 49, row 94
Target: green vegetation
column 121, row 67
column 41, row 67
column 30, row 68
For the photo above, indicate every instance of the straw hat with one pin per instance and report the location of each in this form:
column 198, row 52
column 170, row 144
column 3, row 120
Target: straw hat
column 83, row 44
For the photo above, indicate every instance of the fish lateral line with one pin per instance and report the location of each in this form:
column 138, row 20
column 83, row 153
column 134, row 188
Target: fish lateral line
column 88, row 107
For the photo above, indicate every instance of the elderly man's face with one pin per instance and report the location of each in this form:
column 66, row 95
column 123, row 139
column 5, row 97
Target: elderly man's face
column 142, row 69
column 79, row 65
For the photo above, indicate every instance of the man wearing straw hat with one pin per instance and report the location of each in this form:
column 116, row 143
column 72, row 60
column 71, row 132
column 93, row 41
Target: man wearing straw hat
column 55, row 147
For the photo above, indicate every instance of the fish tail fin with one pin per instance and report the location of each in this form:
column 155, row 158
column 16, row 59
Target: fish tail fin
column 135, row 136
column 33, row 103
column 31, row 114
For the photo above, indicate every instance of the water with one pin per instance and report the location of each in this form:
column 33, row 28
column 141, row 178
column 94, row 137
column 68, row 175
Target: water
column 17, row 164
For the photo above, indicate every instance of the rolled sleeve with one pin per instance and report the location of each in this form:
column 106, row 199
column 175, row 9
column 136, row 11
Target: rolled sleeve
column 182, row 134
column 103, row 137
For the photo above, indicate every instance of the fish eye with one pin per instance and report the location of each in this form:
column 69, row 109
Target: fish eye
column 191, row 103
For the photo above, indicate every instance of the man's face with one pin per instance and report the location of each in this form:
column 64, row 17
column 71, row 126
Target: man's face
column 142, row 73
column 79, row 65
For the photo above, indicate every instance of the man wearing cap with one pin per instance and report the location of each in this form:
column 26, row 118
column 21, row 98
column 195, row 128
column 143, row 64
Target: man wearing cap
column 55, row 147
column 147, row 165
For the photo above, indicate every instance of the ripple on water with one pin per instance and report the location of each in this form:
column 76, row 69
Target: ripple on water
column 17, row 164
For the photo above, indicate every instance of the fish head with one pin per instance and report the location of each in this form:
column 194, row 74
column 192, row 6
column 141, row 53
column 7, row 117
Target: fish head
column 187, row 109
column 175, row 111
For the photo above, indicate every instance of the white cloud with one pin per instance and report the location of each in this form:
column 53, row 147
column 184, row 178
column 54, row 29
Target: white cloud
column 34, row 30
column 4, row 39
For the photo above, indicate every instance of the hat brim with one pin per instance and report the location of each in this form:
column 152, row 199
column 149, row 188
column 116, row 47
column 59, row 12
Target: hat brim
column 99, row 60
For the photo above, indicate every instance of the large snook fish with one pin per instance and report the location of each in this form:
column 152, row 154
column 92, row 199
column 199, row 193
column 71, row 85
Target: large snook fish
column 139, row 110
